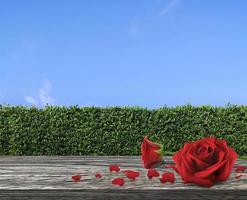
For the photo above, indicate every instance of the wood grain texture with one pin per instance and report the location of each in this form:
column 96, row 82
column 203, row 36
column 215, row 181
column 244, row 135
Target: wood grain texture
column 49, row 177
column 122, row 194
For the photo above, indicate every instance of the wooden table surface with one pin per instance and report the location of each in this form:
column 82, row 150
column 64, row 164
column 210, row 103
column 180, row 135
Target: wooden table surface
column 49, row 177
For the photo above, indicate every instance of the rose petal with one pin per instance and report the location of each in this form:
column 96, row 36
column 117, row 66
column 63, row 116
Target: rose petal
column 199, row 164
column 118, row 181
column 222, row 144
column 152, row 173
column 207, row 172
column 225, row 171
column 238, row 177
column 131, row 174
column 203, row 149
column 167, row 177
column 76, row 178
column 240, row 169
column 185, row 172
column 98, row 175
column 205, row 155
column 199, row 181
column 177, row 159
column 115, row 168
column 185, row 152
column 210, row 141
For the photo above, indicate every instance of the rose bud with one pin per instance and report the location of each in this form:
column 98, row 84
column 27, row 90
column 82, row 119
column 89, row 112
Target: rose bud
column 151, row 153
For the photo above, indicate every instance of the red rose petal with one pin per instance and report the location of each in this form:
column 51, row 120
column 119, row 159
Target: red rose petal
column 131, row 174
column 76, row 178
column 167, row 177
column 98, row 175
column 207, row 172
column 240, row 169
column 118, row 181
column 199, row 181
column 238, row 177
column 115, row 168
column 152, row 173
column 225, row 171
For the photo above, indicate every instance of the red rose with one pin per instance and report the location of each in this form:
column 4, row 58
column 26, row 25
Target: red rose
column 205, row 161
column 151, row 153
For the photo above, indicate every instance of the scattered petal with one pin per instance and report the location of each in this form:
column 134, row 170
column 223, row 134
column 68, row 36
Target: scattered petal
column 98, row 175
column 115, row 168
column 118, row 181
column 131, row 174
column 76, row 178
column 152, row 173
column 240, row 169
column 167, row 177
column 238, row 177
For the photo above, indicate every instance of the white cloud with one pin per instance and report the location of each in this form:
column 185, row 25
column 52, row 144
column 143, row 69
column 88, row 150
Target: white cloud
column 137, row 23
column 31, row 100
column 44, row 96
column 167, row 8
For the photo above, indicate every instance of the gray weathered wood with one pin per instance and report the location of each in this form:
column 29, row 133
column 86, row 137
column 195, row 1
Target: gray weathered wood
column 30, row 177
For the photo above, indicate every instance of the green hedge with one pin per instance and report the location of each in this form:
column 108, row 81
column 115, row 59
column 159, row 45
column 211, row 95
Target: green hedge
column 115, row 130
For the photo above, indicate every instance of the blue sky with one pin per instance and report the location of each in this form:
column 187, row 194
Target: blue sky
column 147, row 53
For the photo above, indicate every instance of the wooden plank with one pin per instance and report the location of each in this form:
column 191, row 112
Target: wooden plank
column 30, row 177
column 122, row 194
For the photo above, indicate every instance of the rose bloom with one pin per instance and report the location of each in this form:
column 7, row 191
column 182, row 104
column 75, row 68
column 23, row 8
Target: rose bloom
column 151, row 153
column 205, row 161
